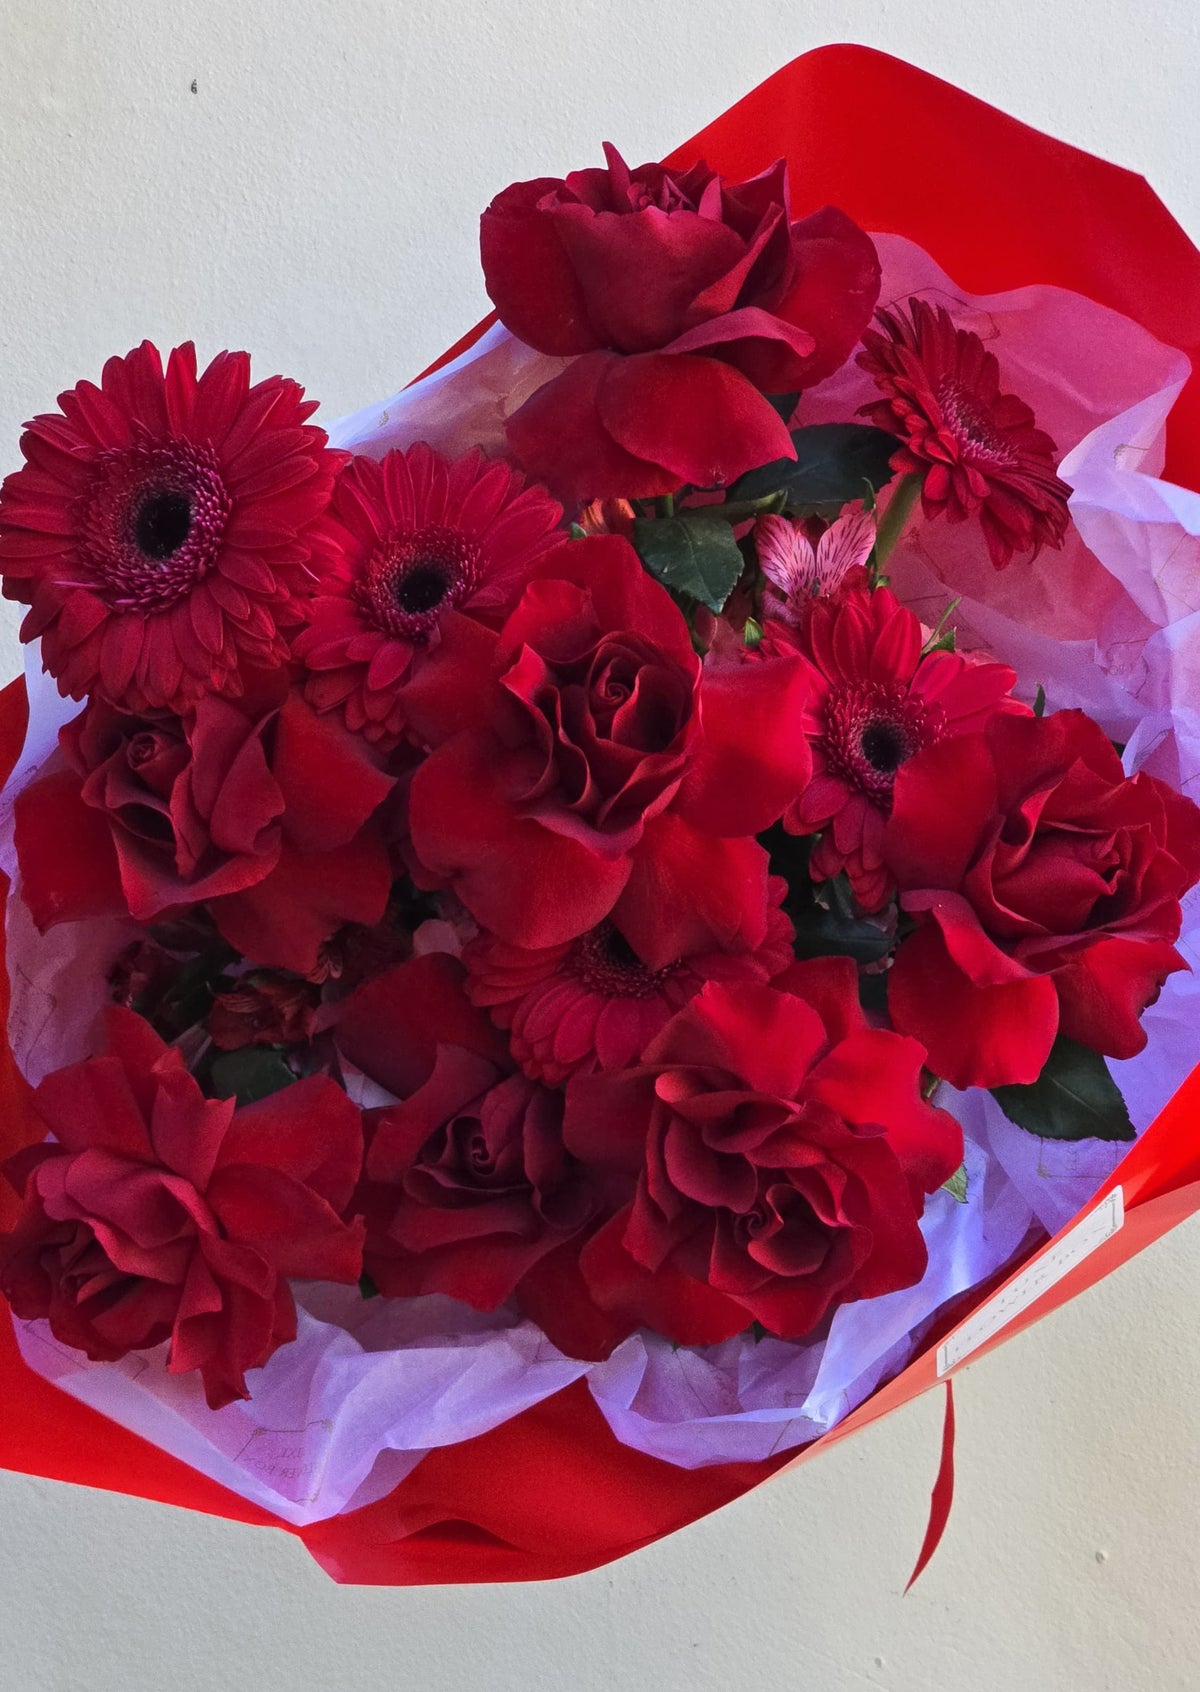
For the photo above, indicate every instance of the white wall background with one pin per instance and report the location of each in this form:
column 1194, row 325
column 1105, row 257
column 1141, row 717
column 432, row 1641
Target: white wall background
column 314, row 199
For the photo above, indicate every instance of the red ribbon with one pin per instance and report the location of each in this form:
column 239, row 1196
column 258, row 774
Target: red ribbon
column 942, row 1498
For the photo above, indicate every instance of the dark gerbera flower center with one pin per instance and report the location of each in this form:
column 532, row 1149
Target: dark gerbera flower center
column 608, row 965
column 974, row 428
column 871, row 729
column 423, row 588
column 154, row 521
column 885, row 746
column 163, row 523
column 413, row 578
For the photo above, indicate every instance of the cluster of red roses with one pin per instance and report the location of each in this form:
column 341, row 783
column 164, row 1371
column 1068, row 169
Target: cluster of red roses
column 423, row 796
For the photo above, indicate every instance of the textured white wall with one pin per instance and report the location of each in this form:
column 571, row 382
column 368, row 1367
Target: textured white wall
column 315, row 200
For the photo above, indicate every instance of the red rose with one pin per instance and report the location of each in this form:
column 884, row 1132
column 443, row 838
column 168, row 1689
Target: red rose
column 779, row 1151
column 468, row 1185
column 157, row 1213
column 264, row 813
column 687, row 298
column 475, row 1186
column 1047, row 887
column 609, row 775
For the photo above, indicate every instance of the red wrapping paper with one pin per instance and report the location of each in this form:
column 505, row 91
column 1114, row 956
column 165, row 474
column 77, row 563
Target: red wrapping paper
column 551, row 1492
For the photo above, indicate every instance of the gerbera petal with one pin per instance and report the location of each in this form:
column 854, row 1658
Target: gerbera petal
column 122, row 649
column 180, row 390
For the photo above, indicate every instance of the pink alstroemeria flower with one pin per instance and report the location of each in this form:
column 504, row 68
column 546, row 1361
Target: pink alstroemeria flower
column 799, row 570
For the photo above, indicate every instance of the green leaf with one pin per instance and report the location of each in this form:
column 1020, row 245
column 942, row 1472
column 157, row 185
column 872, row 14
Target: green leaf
column 824, row 934
column 249, row 1074
column 834, row 463
column 1074, row 1098
column 694, row 555
column 943, row 639
column 956, row 1186
column 367, row 1287
column 1039, row 701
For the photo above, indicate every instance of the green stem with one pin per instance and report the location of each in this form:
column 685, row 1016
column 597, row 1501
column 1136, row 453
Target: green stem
column 895, row 518
column 741, row 510
column 665, row 505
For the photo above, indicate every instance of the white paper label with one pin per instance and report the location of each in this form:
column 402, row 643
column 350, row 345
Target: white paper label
column 1076, row 1245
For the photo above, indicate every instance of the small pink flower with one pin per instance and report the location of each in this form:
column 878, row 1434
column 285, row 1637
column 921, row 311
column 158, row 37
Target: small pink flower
column 800, row 570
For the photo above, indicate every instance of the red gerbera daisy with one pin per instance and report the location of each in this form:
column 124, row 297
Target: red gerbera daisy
column 592, row 1003
column 979, row 450
column 433, row 552
column 874, row 701
column 162, row 527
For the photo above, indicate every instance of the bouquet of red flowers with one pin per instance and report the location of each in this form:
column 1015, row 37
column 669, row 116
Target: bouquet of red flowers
column 570, row 931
